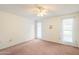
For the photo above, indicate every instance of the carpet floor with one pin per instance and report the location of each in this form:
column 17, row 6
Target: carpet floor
column 40, row 47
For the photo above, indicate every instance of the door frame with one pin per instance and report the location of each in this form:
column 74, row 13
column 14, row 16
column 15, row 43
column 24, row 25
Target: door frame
column 36, row 29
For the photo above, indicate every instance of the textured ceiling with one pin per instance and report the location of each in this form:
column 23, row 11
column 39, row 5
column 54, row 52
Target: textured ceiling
column 25, row 10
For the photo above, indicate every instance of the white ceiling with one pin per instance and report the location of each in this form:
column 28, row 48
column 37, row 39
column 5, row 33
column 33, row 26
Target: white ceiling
column 25, row 10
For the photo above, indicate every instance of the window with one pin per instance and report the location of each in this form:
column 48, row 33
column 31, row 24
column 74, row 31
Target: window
column 67, row 30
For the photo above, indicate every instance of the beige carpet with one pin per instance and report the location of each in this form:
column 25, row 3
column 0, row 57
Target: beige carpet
column 39, row 47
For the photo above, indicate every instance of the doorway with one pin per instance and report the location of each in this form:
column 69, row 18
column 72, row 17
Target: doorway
column 38, row 29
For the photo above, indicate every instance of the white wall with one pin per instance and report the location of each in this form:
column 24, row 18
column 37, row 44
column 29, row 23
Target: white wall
column 53, row 34
column 14, row 29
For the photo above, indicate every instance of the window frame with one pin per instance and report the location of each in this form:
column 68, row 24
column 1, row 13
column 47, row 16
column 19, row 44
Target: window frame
column 61, row 31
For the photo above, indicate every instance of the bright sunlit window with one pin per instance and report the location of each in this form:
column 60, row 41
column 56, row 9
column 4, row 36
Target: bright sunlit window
column 67, row 30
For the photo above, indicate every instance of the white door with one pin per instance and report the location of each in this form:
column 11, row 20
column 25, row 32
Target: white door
column 67, row 31
column 38, row 29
